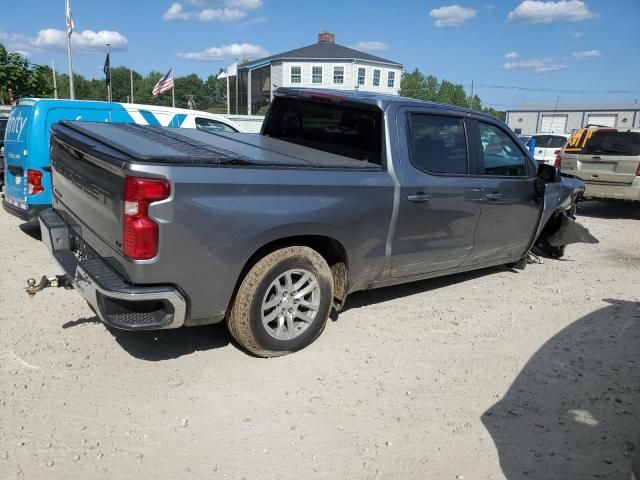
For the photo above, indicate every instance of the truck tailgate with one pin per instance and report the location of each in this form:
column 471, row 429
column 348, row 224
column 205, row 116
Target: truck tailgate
column 88, row 191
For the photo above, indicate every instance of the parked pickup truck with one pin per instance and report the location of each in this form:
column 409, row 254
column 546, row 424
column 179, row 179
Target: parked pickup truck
column 159, row 228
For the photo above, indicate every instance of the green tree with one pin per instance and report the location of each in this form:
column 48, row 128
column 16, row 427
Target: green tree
column 22, row 77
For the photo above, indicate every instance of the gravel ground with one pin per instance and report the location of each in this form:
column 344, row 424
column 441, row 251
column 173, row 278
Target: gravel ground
column 486, row 375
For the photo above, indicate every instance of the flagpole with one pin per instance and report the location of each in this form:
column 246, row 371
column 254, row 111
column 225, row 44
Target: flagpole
column 173, row 89
column 109, row 94
column 55, row 84
column 131, row 83
column 69, row 22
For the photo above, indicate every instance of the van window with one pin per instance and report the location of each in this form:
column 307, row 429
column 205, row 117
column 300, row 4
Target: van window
column 354, row 132
column 438, row 144
column 501, row 156
column 215, row 126
column 612, row 142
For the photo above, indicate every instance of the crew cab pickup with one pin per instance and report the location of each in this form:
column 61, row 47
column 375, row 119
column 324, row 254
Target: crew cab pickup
column 159, row 228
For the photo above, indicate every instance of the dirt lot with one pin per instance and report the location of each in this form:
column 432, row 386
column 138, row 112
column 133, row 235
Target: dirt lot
column 488, row 375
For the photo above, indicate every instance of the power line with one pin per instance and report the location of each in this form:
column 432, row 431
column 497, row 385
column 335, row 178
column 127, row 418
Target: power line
column 554, row 90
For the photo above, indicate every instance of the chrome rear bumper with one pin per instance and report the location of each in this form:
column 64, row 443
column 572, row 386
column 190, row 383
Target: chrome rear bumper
column 114, row 301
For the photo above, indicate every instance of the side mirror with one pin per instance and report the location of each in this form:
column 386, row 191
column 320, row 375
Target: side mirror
column 548, row 173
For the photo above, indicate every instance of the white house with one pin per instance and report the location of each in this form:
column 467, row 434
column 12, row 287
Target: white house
column 322, row 65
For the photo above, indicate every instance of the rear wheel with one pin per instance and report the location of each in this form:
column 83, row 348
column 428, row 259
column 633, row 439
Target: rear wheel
column 283, row 302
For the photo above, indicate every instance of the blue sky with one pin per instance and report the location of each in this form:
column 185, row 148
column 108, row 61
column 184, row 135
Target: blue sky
column 590, row 47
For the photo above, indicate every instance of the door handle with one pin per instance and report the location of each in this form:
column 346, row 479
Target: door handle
column 419, row 197
column 493, row 196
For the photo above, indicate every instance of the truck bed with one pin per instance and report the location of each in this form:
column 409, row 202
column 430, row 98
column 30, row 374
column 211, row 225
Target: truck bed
column 161, row 145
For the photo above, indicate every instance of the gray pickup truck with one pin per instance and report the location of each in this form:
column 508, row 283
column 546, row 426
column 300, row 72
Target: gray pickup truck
column 341, row 191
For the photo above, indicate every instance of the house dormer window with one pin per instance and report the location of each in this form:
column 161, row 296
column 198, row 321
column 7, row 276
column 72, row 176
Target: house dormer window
column 316, row 75
column 296, row 74
column 338, row 74
column 391, row 80
column 376, row 78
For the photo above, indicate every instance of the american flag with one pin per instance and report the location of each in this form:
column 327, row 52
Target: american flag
column 164, row 84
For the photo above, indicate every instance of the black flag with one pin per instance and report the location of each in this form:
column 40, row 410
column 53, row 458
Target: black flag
column 107, row 69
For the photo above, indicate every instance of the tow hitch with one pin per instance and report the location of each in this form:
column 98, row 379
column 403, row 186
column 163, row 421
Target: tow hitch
column 59, row 281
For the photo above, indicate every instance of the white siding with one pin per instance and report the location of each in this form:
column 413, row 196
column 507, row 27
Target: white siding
column 350, row 75
column 531, row 122
column 276, row 75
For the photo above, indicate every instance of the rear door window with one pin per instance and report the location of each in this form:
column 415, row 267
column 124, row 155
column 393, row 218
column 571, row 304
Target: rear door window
column 438, row 144
column 499, row 153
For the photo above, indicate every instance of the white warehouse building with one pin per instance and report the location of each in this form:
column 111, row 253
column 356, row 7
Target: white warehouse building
column 549, row 118
column 322, row 65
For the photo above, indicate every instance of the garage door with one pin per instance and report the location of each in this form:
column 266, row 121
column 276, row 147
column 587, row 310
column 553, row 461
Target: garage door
column 553, row 124
column 603, row 120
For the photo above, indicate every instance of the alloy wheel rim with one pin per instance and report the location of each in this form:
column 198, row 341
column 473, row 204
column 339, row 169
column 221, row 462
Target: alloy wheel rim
column 290, row 304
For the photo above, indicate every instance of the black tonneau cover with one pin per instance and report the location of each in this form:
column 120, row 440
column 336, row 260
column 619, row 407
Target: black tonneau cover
column 148, row 144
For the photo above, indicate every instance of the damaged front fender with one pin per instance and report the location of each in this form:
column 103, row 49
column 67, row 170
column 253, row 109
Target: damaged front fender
column 557, row 227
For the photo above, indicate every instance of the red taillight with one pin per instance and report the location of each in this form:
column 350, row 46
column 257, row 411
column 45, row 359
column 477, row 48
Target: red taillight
column 139, row 232
column 638, row 171
column 34, row 180
column 558, row 162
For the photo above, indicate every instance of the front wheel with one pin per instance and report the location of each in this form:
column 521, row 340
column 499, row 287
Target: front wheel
column 283, row 302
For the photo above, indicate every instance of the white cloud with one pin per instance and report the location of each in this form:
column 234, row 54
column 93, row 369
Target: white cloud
column 234, row 4
column 452, row 15
column 225, row 11
column 537, row 11
column 17, row 43
column 254, row 21
column 235, row 50
column 221, row 15
column 86, row 41
column 587, row 54
column 176, row 12
column 511, row 55
column 537, row 65
column 575, row 34
column 371, row 46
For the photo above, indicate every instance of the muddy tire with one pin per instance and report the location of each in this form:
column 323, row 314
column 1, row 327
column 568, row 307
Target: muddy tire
column 283, row 302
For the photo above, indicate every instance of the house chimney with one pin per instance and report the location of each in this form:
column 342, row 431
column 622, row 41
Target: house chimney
column 326, row 37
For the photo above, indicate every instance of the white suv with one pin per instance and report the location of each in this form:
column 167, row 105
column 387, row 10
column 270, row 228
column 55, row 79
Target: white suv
column 546, row 146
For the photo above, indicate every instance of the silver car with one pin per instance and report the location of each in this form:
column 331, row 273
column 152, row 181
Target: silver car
column 607, row 160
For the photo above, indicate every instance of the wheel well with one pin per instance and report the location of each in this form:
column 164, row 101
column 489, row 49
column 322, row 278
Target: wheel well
column 330, row 249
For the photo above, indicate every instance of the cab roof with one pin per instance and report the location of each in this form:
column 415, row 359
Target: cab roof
column 381, row 100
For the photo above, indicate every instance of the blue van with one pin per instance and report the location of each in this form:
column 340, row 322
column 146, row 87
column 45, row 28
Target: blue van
column 26, row 143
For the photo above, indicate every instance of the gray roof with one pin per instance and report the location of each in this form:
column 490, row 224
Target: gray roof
column 323, row 51
column 575, row 107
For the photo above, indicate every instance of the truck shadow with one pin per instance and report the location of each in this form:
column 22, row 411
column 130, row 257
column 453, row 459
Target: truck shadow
column 170, row 344
column 385, row 294
column 609, row 209
column 573, row 410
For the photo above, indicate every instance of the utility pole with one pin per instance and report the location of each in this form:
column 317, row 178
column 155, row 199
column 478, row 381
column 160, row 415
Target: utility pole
column 55, row 84
column 131, row 83
column 472, row 95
